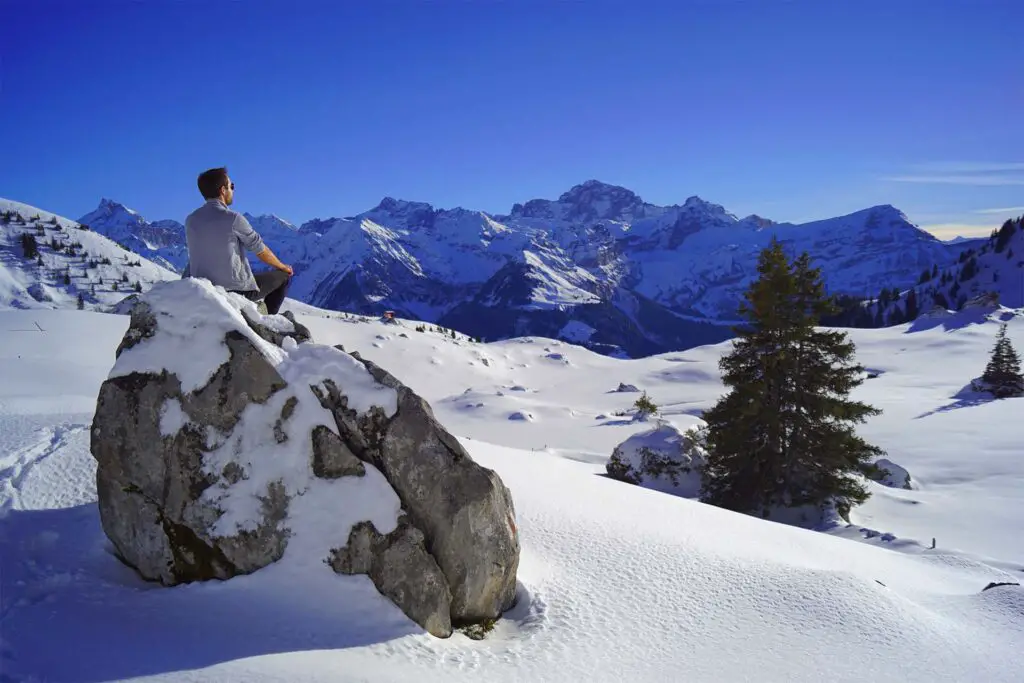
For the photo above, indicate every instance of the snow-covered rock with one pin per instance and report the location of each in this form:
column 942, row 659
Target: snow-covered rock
column 252, row 448
column 662, row 458
column 892, row 475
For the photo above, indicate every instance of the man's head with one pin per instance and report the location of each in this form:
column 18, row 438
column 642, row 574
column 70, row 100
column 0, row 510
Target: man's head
column 215, row 184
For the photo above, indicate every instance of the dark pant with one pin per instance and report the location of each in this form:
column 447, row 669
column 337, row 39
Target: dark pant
column 273, row 286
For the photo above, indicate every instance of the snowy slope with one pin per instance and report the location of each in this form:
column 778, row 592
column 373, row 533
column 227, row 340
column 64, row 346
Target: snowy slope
column 615, row 580
column 993, row 267
column 96, row 268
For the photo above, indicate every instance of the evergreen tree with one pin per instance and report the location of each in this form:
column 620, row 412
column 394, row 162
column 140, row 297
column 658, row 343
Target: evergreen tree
column 1002, row 376
column 645, row 407
column 29, row 246
column 884, row 297
column 969, row 270
column 1003, row 235
column 912, row 306
column 81, row 302
column 780, row 436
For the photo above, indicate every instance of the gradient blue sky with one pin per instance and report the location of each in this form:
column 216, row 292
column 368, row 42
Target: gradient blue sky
column 792, row 110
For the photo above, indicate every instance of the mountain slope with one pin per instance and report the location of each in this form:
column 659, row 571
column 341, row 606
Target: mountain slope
column 72, row 265
column 987, row 273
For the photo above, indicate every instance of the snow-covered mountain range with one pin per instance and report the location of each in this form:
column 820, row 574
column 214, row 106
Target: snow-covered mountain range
column 598, row 266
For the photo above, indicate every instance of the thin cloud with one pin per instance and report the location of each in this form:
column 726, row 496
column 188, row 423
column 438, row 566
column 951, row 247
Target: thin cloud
column 947, row 231
column 1011, row 209
column 980, row 179
column 957, row 167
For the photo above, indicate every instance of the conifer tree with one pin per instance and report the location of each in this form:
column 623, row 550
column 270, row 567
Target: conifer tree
column 29, row 246
column 1002, row 376
column 1003, row 235
column 782, row 435
column 645, row 407
column 913, row 308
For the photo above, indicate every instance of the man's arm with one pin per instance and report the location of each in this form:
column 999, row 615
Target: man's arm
column 249, row 238
column 271, row 260
column 252, row 241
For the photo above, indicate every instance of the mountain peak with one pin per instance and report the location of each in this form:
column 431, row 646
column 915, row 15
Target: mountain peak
column 397, row 206
column 883, row 213
column 268, row 219
column 596, row 200
column 111, row 206
column 595, row 190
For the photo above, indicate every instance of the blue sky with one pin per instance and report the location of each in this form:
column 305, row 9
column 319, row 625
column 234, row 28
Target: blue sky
column 792, row 110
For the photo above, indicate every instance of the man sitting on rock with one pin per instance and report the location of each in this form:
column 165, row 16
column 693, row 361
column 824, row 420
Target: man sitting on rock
column 217, row 237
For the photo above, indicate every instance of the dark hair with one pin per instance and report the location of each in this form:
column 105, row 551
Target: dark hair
column 211, row 181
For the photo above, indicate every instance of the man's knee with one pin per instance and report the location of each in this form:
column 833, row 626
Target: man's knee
column 280, row 278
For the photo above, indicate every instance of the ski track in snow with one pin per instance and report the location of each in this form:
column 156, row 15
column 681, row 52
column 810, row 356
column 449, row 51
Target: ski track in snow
column 17, row 465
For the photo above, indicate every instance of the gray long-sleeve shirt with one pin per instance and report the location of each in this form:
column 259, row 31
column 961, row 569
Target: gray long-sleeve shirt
column 216, row 238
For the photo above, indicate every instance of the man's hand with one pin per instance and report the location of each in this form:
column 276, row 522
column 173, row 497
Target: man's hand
column 271, row 260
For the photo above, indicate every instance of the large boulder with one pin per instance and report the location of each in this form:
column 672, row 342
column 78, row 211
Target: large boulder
column 663, row 458
column 226, row 440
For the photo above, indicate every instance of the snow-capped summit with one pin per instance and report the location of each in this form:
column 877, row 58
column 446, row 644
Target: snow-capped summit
column 413, row 215
column 592, row 200
column 162, row 241
column 270, row 221
column 111, row 213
